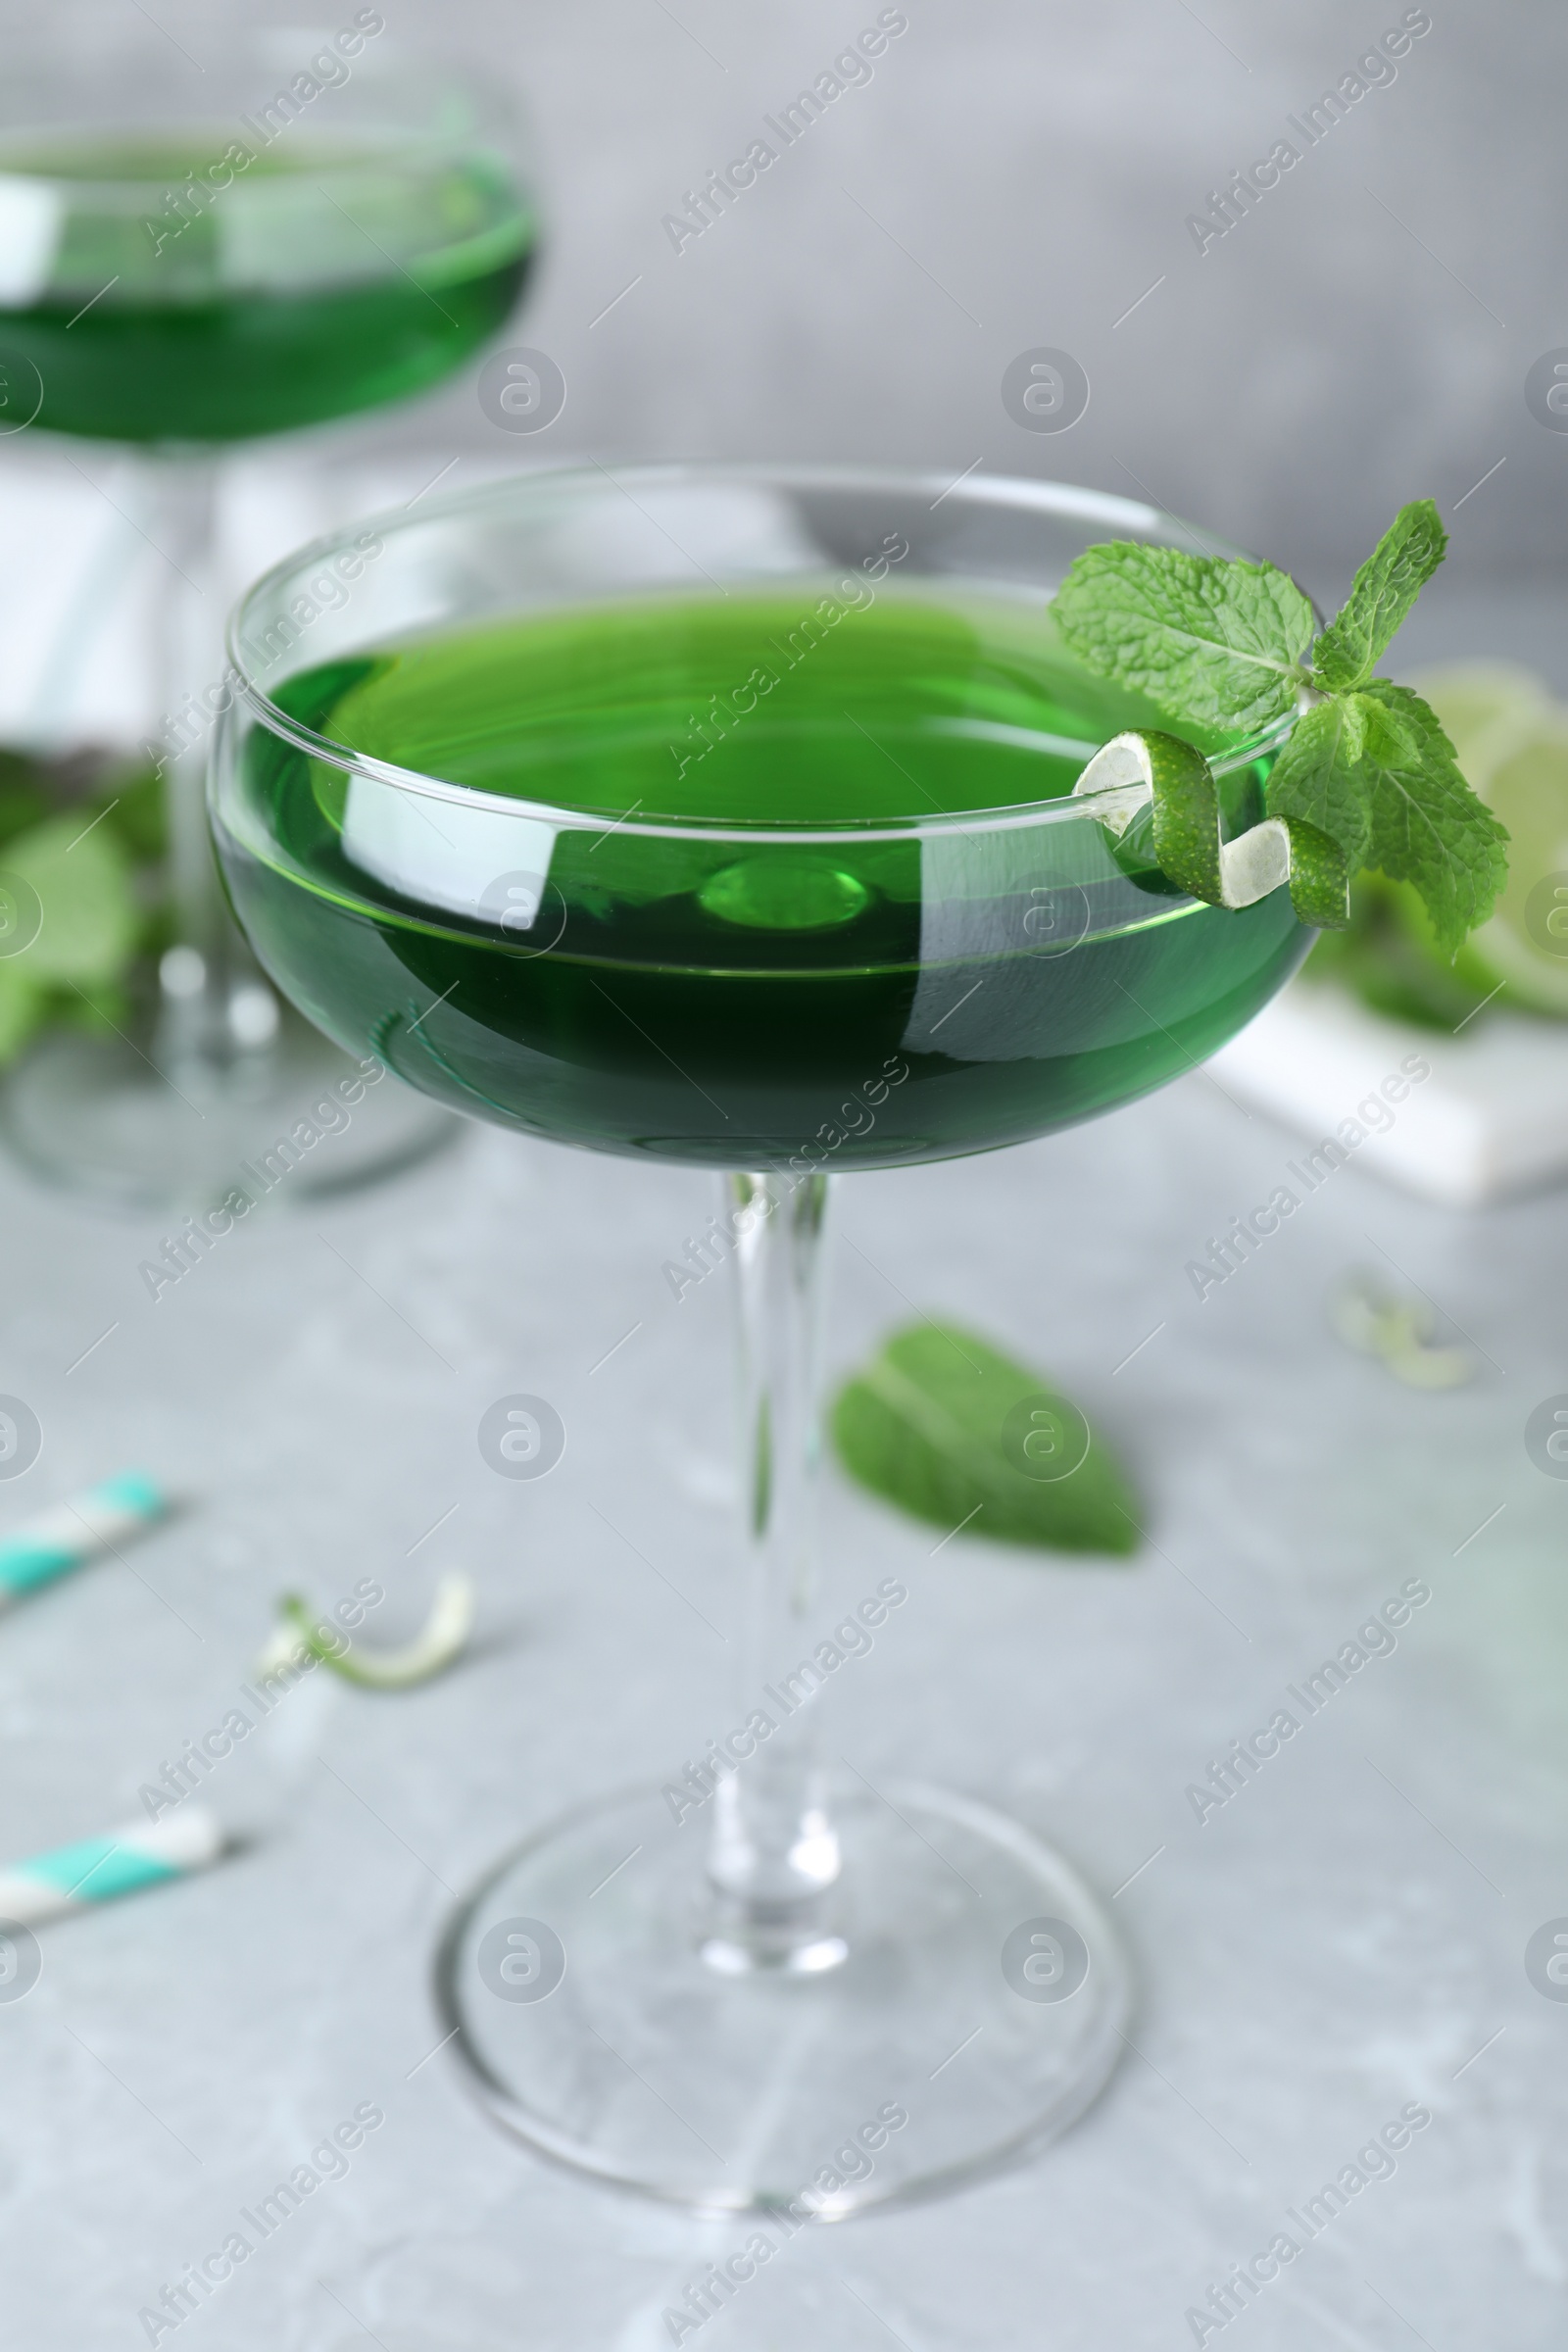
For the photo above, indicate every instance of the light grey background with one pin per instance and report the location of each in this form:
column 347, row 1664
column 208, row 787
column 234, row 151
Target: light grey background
column 1019, row 172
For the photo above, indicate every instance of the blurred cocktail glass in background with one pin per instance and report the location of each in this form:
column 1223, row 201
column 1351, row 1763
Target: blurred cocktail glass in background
column 207, row 237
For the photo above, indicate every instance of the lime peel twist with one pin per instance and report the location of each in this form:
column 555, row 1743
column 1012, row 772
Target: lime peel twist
column 437, row 1645
column 1176, row 781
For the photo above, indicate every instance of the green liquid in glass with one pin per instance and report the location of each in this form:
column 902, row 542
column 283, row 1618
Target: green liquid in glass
column 158, row 306
column 856, row 1002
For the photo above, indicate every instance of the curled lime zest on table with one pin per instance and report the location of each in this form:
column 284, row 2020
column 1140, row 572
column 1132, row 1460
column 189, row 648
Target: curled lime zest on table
column 1399, row 1333
column 438, row 1644
column 1367, row 777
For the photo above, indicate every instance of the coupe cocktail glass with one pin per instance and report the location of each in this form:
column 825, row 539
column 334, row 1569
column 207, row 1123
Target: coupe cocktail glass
column 207, row 236
column 722, row 814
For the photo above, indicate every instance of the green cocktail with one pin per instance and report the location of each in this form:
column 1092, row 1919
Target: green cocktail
column 701, row 993
column 727, row 815
column 212, row 289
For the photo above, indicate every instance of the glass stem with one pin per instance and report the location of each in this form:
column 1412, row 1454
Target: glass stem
column 775, row 1854
column 198, row 975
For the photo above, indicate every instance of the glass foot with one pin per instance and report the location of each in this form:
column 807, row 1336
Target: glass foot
column 977, row 2012
column 94, row 1118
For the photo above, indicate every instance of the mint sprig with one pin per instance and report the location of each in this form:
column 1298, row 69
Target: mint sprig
column 1226, row 644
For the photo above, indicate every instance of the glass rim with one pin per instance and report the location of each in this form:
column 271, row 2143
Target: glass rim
column 1012, row 490
column 339, row 162
column 435, row 69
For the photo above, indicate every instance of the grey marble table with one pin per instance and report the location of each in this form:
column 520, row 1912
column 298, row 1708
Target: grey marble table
column 1344, row 1937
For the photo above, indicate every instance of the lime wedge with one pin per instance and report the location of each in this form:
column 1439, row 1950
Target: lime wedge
column 1519, row 766
column 1471, row 697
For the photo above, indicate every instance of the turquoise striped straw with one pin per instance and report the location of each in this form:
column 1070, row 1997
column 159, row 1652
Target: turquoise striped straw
column 98, row 1870
column 73, row 1533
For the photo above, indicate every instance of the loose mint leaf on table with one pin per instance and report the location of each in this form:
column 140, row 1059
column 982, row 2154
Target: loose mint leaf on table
column 1381, row 596
column 1215, row 642
column 954, row 1432
column 1367, row 765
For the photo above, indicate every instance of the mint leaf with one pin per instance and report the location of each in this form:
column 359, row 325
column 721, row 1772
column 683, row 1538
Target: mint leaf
column 1380, row 595
column 1426, row 826
column 937, row 1424
column 1214, row 642
column 1318, row 776
column 1374, row 770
